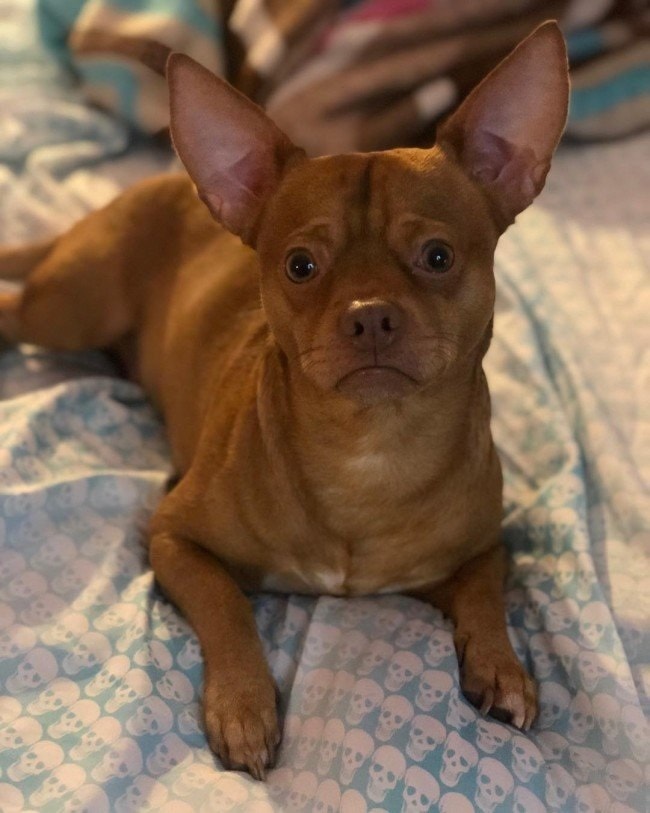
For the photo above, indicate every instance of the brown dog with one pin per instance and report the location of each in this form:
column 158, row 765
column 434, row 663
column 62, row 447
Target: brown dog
column 332, row 435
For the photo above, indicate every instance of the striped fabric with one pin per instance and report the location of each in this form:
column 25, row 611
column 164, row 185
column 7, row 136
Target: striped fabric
column 112, row 45
column 361, row 74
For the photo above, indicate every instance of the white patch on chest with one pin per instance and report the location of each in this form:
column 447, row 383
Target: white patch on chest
column 329, row 581
column 371, row 468
column 336, row 582
column 369, row 460
column 319, row 580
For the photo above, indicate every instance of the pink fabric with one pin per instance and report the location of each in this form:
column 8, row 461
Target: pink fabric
column 387, row 9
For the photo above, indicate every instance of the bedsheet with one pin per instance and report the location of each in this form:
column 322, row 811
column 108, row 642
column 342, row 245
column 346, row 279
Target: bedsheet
column 99, row 676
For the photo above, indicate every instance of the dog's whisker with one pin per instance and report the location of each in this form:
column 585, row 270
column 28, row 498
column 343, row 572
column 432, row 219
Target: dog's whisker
column 311, row 350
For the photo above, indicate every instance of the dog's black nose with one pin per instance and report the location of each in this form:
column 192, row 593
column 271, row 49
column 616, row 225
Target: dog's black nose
column 373, row 323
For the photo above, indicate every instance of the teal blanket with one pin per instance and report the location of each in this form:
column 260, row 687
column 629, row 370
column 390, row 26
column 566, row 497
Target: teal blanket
column 100, row 678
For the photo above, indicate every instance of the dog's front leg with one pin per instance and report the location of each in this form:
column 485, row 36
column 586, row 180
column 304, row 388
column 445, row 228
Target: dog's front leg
column 239, row 698
column 491, row 675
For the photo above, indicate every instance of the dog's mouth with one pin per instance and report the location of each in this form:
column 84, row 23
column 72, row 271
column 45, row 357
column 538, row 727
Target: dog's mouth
column 376, row 383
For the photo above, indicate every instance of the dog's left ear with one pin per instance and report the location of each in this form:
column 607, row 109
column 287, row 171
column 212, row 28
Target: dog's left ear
column 232, row 150
column 506, row 131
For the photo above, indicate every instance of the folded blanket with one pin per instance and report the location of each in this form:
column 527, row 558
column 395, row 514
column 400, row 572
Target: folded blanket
column 362, row 74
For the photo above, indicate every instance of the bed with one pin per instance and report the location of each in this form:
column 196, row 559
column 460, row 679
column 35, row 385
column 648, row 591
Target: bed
column 99, row 676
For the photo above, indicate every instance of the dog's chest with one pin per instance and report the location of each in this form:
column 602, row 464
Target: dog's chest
column 364, row 494
column 371, row 565
column 374, row 537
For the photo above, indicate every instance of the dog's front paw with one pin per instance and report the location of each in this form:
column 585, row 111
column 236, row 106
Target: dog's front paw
column 241, row 724
column 495, row 682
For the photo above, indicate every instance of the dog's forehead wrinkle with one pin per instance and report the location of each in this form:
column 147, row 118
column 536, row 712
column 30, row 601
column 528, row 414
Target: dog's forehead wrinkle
column 358, row 203
column 365, row 189
column 320, row 228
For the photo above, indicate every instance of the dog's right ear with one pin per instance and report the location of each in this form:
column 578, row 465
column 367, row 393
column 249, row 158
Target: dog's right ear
column 232, row 150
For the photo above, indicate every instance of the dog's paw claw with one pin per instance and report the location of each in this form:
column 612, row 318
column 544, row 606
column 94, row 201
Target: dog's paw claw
column 242, row 729
column 502, row 715
column 496, row 683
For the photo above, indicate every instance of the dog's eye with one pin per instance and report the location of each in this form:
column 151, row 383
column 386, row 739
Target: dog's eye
column 437, row 257
column 300, row 266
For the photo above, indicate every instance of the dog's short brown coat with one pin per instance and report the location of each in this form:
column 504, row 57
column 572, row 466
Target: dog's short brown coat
column 331, row 435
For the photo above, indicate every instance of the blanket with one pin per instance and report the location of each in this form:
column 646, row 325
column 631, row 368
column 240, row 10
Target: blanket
column 100, row 678
column 355, row 75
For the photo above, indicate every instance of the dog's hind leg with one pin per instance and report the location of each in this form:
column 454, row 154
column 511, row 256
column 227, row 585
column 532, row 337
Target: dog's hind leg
column 82, row 289
column 73, row 298
column 85, row 288
column 17, row 263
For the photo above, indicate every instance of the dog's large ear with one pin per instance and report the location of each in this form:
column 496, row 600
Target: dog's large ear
column 505, row 132
column 232, row 150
